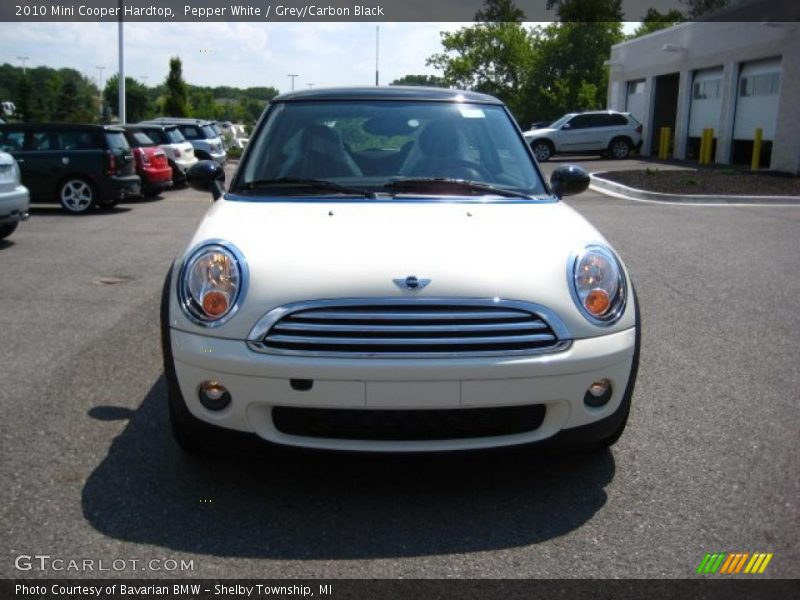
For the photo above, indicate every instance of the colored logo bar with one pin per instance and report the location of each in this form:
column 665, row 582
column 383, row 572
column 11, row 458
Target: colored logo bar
column 731, row 563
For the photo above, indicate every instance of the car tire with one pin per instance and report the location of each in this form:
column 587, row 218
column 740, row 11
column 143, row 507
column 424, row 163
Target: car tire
column 77, row 195
column 7, row 229
column 542, row 150
column 619, row 148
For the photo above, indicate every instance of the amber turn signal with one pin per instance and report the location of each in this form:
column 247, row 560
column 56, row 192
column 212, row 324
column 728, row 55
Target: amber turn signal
column 597, row 302
column 215, row 303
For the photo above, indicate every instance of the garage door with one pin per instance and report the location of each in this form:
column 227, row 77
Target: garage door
column 634, row 101
column 706, row 102
column 757, row 99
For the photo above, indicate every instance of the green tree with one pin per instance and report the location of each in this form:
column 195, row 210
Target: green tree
column 138, row 105
column 202, row 102
column 176, row 103
column 654, row 20
column 425, row 80
column 699, row 8
column 576, row 11
column 22, row 100
column 494, row 58
column 76, row 101
column 500, row 11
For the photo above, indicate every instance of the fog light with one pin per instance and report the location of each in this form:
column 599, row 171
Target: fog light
column 213, row 395
column 598, row 393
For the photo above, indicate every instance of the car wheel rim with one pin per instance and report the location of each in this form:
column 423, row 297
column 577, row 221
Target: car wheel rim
column 620, row 150
column 542, row 152
column 76, row 195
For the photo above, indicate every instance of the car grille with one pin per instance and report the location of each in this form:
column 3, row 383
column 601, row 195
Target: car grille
column 409, row 327
column 407, row 425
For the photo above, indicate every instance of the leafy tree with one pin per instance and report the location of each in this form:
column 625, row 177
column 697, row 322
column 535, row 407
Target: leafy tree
column 572, row 11
column 138, row 105
column 699, row 8
column 203, row 103
column 500, row 11
column 426, row 80
column 494, row 58
column 23, row 99
column 176, row 103
column 654, row 20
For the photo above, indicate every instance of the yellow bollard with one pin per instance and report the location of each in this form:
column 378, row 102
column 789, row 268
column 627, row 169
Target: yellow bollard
column 710, row 147
column 755, row 164
column 701, row 156
column 663, row 145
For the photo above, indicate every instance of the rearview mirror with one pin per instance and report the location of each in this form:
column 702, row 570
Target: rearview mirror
column 207, row 176
column 569, row 180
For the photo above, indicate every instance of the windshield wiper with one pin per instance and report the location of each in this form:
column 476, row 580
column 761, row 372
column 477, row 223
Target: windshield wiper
column 317, row 184
column 416, row 183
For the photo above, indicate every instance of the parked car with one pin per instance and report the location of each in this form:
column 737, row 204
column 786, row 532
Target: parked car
column 202, row 135
column 389, row 271
column 179, row 152
column 14, row 197
column 608, row 132
column 79, row 166
column 151, row 162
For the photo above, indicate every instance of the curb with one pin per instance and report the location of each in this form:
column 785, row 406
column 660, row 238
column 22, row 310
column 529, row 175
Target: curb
column 617, row 190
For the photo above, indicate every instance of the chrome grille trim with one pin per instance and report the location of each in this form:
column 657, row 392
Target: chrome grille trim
column 407, row 327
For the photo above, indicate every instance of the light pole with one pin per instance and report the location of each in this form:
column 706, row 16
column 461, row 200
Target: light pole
column 24, row 61
column 100, row 69
column 121, row 69
column 292, row 76
column 377, row 52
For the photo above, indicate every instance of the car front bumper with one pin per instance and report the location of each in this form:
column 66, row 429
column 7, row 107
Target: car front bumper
column 258, row 382
column 14, row 205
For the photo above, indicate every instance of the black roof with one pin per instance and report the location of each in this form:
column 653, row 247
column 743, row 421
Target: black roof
column 391, row 92
column 62, row 126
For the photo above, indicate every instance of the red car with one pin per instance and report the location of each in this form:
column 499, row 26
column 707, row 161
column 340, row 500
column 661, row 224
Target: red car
column 151, row 162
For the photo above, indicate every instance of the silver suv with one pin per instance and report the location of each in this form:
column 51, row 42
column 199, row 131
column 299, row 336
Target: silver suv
column 203, row 136
column 608, row 132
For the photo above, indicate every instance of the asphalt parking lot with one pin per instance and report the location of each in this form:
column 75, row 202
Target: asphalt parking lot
column 708, row 463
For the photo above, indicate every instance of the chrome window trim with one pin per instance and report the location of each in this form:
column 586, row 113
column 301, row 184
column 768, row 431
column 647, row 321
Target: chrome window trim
column 266, row 322
column 244, row 276
column 622, row 282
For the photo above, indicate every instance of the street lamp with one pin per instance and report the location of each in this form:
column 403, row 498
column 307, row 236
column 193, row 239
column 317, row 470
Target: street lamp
column 292, row 76
column 24, row 61
column 100, row 69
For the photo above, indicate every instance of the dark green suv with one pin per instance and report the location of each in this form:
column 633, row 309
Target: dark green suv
column 78, row 166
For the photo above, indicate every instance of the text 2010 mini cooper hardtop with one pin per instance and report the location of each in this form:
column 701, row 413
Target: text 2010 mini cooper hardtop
column 389, row 272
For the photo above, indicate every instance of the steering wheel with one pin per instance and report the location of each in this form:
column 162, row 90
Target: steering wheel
column 468, row 165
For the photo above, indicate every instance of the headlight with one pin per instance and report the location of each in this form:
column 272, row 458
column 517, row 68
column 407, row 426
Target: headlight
column 598, row 285
column 212, row 282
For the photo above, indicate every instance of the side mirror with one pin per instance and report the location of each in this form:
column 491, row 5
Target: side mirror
column 569, row 180
column 207, row 176
column 566, row 126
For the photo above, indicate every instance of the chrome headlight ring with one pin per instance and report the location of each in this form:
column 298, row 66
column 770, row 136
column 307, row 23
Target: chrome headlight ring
column 595, row 276
column 213, row 278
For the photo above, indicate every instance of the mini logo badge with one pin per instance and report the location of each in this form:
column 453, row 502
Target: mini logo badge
column 412, row 282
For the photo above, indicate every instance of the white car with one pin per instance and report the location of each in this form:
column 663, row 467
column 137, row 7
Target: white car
column 614, row 134
column 390, row 272
column 14, row 197
column 179, row 151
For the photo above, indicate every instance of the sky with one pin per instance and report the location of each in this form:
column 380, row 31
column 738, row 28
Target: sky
column 237, row 54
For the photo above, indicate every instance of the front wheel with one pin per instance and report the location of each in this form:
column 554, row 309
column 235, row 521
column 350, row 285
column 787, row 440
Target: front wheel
column 7, row 229
column 619, row 149
column 542, row 151
column 77, row 196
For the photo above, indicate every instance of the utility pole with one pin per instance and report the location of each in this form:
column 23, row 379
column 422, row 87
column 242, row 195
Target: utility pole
column 24, row 61
column 292, row 77
column 121, row 68
column 377, row 52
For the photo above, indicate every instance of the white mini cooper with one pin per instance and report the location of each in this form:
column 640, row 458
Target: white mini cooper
column 388, row 271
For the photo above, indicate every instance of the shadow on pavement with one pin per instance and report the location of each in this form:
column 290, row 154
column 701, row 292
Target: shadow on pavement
column 57, row 211
column 311, row 505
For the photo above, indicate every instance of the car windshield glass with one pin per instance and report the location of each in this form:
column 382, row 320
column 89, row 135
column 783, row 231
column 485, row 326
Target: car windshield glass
column 142, row 139
column 560, row 122
column 373, row 145
column 209, row 131
column 174, row 136
column 117, row 141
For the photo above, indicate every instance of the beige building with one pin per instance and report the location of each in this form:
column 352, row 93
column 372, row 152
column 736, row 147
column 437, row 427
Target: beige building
column 732, row 77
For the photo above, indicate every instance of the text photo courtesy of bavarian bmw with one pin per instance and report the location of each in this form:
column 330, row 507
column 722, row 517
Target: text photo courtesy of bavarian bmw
column 388, row 271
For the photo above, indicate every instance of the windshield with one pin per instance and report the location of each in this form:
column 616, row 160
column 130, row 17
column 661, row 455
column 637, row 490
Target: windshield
column 558, row 124
column 116, row 140
column 174, row 136
column 380, row 146
column 141, row 139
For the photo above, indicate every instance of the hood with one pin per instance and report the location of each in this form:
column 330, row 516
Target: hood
column 544, row 131
column 311, row 250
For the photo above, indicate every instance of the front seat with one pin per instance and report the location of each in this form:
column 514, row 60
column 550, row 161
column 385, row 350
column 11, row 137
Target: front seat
column 440, row 151
column 320, row 155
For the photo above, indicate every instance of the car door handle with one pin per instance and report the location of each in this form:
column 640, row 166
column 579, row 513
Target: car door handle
column 20, row 160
